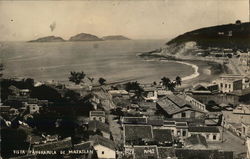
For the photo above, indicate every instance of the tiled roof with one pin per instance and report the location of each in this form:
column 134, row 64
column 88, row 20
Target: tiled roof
column 135, row 120
column 211, row 129
column 196, row 139
column 165, row 152
column 145, row 152
column 135, row 132
column 204, row 154
column 162, row 135
column 180, row 102
column 156, row 122
column 99, row 140
column 97, row 125
column 170, row 107
column 83, row 146
column 57, row 145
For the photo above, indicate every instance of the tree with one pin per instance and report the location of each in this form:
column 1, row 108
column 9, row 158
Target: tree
column 91, row 79
column 76, row 77
column 101, row 81
column 1, row 69
column 165, row 81
column 172, row 86
column 178, row 80
column 135, row 86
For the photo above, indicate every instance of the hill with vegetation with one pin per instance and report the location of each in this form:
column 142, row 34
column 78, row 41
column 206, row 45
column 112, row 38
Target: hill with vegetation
column 85, row 37
column 49, row 39
column 232, row 36
column 115, row 37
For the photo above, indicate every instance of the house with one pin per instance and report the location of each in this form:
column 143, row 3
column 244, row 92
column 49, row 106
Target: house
column 134, row 120
column 195, row 141
column 102, row 127
column 97, row 115
column 150, row 93
column 95, row 101
column 173, row 106
column 104, row 147
column 237, row 121
column 243, row 95
column 163, row 137
column 204, row 154
column 209, row 132
column 119, row 93
column 248, row 147
column 83, row 150
column 197, row 104
column 145, row 152
column 155, row 123
column 230, row 83
column 178, row 128
column 137, row 134
column 32, row 108
column 24, row 92
column 166, row 153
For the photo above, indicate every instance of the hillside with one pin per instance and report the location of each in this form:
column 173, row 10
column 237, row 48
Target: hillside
column 115, row 37
column 84, row 37
column 233, row 36
column 49, row 39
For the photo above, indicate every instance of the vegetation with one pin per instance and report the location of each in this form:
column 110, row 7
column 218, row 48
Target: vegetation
column 135, row 87
column 101, row 81
column 76, row 77
column 170, row 85
column 232, row 36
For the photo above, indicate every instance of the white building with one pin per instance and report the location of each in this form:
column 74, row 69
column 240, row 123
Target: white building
column 230, row 83
column 104, row 148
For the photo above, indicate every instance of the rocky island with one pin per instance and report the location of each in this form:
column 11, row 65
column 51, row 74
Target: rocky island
column 85, row 37
column 49, row 39
column 115, row 37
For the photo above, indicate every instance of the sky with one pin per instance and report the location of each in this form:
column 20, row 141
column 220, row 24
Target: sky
column 141, row 19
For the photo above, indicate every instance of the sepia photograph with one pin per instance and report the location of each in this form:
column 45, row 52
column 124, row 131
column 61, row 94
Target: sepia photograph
column 125, row 79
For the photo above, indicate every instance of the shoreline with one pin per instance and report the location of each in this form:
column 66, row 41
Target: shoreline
column 205, row 71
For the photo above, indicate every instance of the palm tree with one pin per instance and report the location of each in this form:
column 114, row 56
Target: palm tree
column 101, row 81
column 178, row 80
column 91, row 79
column 76, row 77
column 165, row 81
column 171, row 86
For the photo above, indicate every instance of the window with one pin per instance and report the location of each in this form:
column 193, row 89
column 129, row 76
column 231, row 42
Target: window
column 94, row 118
column 221, row 85
column 225, row 85
column 184, row 133
column 178, row 132
column 102, row 152
column 214, row 137
column 183, row 115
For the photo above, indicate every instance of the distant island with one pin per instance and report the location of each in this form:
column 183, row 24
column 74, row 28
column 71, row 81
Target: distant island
column 80, row 37
column 85, row 37
column 115, row 37
column 49, row 39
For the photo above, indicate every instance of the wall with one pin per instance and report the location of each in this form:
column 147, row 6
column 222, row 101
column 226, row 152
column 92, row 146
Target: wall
column 108, row 153
column 208, row 136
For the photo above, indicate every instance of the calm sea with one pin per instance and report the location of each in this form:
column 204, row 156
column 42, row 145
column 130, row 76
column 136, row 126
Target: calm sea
column 113, row 60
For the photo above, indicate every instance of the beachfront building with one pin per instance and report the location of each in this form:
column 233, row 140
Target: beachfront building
column 173, row 106
column 230, row 83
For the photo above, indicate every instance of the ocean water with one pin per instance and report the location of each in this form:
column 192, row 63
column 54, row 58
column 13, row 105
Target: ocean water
column 113, row 60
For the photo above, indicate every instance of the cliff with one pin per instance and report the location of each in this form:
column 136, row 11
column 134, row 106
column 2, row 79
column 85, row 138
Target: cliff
column 48, row 39
column 84, row 37
column 115, row 37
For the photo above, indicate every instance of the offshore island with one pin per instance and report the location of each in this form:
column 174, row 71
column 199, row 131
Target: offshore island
column 180, row 118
